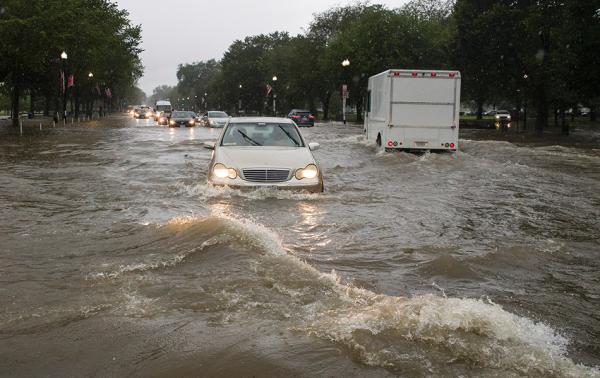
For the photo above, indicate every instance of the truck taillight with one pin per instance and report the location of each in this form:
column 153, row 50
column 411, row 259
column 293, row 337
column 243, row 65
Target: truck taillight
column 414, row 74
column 311, row 117
column 451, row 145
column 390, row 143
column 433, row 74
column 452, row 74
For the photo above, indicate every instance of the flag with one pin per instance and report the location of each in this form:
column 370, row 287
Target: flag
column 71, row 81
column 269, row 89
column 62, row 81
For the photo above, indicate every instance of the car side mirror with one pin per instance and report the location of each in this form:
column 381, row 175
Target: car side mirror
column 210, row 145
column 314, row 146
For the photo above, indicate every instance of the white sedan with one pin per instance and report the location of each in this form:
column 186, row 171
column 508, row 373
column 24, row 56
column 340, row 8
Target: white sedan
column 264, row 152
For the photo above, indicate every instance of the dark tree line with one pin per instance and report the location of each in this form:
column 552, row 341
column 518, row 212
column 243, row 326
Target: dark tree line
column 101, row 46
column 517, row 53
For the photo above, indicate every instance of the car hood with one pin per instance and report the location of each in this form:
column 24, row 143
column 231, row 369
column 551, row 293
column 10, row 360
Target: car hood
column 264, row 157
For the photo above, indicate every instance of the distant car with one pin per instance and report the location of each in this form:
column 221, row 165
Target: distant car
column 163, row 118
column 265, row 153
column 502, row 117
column 302, row 117
column 179, row 118
column 215, row 119
column 144, row 112
column 138, row 113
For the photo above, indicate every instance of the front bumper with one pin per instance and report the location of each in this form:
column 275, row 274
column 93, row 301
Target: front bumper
column 313, row 185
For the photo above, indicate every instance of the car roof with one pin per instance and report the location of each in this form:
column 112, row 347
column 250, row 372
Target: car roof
column 260, row 120
column 301, row 110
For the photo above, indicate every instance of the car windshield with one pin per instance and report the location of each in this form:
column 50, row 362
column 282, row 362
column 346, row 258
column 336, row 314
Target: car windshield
column 217, row 115
column 502, row 112
column 262, row 134
column 183, row 114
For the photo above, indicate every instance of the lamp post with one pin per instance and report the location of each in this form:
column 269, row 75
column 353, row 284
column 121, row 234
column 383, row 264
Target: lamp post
column 63, row 59
column 525, row 77
column 345, row 65
column 240, row 100
column 90, row 105
column 274, row 97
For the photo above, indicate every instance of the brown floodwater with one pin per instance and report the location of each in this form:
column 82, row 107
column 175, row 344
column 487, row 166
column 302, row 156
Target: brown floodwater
column 117, row 259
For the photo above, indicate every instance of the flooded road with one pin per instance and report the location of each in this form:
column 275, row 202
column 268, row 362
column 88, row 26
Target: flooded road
column 116, row 258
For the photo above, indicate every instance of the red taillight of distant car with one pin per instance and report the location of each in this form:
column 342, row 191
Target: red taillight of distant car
column 311, row 117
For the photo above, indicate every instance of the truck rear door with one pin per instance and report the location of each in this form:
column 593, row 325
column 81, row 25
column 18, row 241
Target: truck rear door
column 424, row 107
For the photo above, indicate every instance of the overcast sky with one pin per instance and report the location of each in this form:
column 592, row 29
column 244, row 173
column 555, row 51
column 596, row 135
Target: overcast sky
column 185, row 31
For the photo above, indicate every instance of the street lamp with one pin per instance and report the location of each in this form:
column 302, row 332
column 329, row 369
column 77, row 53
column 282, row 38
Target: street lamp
column 345, row 64
column 90, row 75
column 525, row 77
column 240, row 99
column 274, row 96
column 64, row 57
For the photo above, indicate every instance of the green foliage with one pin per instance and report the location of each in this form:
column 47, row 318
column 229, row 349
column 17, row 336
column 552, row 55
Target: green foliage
column 524, row 50
column 510, row 52
column 97, row 36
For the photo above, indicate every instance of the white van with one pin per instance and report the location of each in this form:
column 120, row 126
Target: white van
column 413, row 110
column 163, row 106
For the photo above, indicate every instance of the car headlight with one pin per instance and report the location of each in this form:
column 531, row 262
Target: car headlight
column 509, row 118
column 191, row 122
column 171, row 122
column 221, row 171
column 497, row 117
column 212, row 122
column 311, row 171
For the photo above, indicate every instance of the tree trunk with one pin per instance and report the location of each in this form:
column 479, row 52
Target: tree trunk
column 541, row 119
column 564, row 123
column 46, row 106
column 56, row 109
column 77, row 102
column 31, row 103
column 325, row 102
column 479, row 109
column 15, row 102
column 359, row 108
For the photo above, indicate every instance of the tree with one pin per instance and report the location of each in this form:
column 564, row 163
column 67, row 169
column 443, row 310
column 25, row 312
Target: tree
column 97, row 35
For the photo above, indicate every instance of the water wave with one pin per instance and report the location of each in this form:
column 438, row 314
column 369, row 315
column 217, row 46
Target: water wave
column 388, row 331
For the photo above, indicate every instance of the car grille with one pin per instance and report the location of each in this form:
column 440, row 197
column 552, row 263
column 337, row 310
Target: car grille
column 266, row 175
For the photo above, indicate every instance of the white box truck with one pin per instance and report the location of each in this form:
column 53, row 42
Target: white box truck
column 413, row 110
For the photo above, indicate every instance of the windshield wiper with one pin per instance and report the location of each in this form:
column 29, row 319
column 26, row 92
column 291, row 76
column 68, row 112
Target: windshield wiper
column 249, row 139
column 289, row 136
